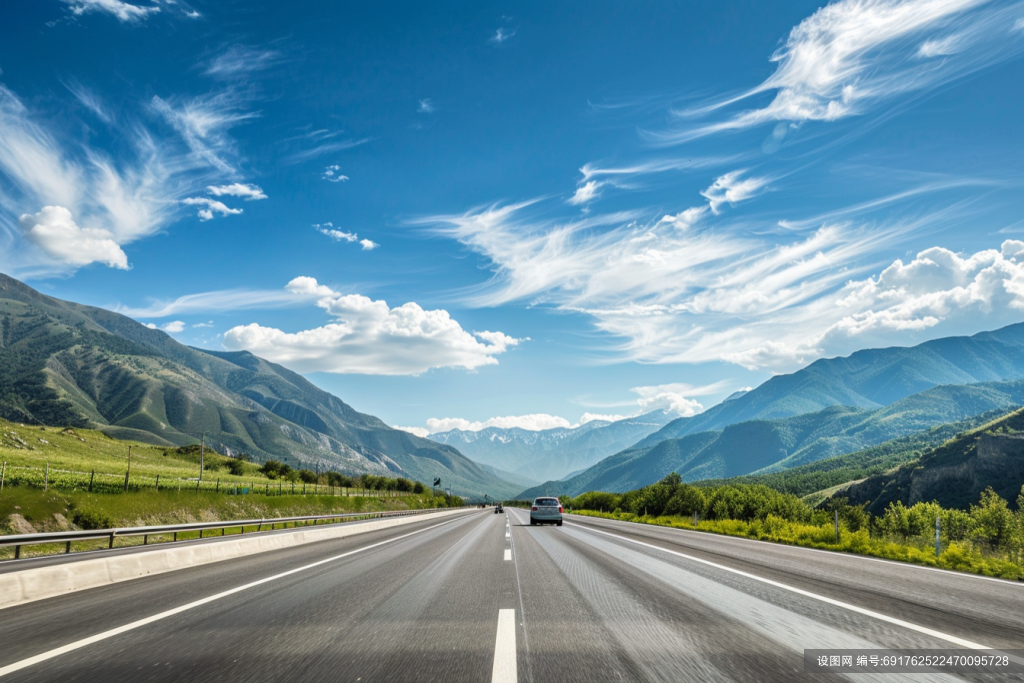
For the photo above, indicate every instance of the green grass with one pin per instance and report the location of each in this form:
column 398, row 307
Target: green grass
column 955, row 556
column 85, row 450
column 44, row 510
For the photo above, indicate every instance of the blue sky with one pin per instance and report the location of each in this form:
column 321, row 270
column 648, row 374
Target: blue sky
column 526, row 211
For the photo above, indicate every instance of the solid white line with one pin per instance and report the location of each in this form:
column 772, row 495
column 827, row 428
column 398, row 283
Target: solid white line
column 845, row 605
column 64, row 649
column 833, row 553
column 508, row 554
column 504, row 670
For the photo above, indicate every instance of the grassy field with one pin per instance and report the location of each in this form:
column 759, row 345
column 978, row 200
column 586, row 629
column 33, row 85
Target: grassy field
column 85, row 451
column 48, row 473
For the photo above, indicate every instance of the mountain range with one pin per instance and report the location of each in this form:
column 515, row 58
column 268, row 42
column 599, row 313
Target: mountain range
column 551, row 453
column 869, row 379
column 831, row 407
column 63, row 363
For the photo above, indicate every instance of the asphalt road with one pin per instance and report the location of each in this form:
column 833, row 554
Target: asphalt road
column 469, row 599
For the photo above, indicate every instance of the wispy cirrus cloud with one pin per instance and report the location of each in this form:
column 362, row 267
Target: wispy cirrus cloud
column 72, row 202
column 325, row 148
column 586, row 193
column 853, row 54
column 203, row 124
column 123, row 11
column 733, row 188
column 713, row 294
column 239, row 60
column 426, row 106
column 502, row 36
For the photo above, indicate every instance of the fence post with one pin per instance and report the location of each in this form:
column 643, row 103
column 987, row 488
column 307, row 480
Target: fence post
column 837, row 525
column 198, row 482
column 3, row 474
column 158, row 482
column 46, row 477
column 938, row 542
column 126, row 482
column 92, row 475
column 218, row 486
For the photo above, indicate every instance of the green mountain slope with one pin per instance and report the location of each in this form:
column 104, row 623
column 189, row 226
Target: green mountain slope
column 955, row 473
column 869, row 379
column 763, row 446
column 844, row 469
column 63, row 363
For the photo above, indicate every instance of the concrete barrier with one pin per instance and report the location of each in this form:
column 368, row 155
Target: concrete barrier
column 28, row 585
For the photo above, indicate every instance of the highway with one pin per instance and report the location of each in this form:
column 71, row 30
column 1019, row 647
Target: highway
column 485, row 597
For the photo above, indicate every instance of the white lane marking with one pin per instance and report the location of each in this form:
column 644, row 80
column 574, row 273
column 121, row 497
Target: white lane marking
column 504, row 670
column 908, row 565
column 845, row 605
column 508, row 554
column 64, row 649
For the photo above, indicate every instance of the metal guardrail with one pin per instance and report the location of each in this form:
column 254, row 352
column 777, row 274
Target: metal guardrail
column 68, row 537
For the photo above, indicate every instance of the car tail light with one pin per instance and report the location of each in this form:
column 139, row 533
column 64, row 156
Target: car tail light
column 534, row 508
column 559, row 509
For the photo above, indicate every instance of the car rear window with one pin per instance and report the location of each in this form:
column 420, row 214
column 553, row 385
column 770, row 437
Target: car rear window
column 547, row 501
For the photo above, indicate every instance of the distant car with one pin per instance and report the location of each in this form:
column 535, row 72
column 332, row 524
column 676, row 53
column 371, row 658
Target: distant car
column 498, row 508
column 546, row 511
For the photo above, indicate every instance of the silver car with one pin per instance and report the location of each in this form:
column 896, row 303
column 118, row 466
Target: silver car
column 546, row 511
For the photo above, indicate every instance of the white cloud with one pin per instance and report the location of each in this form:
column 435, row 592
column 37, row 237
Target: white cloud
column 124, row 11
column 1019, row 25
column 206, row 324
column 336, row 235
column 852, row 54
column 299, row 290
column 732, row 188
column 308, row 287
column 684, row 220
column 248, row 192
column 418, row 431
column 670, row 397
column 691, row 296
column 54, row 230
column 329, row 230
column 502, row 35
column 592, row 417
column 127, row 200
column 534, row 423
column 949, row 45
column 370, row 337
column 425, row 106
column 202, row 123
column 239, row 60
column 332, row 174
column 324, row 148
column 173, row 327
column 209, row 206
column 585, row 193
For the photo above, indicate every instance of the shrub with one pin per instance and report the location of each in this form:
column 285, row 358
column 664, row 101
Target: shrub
column 90, row 519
